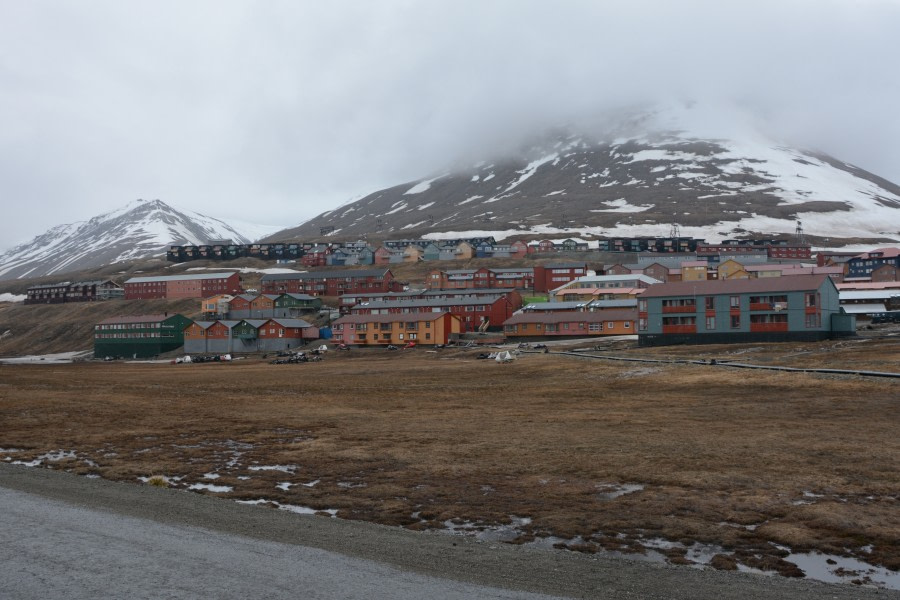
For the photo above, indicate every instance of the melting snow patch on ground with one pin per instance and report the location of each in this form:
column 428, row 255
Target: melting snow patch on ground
column 282, row 468
column 210, row 487
column 620, row 205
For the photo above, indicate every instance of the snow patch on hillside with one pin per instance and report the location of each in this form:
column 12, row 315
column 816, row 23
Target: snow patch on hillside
column 423, row 186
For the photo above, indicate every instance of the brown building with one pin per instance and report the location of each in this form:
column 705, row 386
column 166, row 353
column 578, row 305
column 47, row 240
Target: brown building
column 183, row 286
column 571, row 324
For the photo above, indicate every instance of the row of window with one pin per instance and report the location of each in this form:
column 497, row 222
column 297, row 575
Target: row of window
column 380, row 326
column 131, row 336
column 117, row 326
column 554, row 327
column 812, row 320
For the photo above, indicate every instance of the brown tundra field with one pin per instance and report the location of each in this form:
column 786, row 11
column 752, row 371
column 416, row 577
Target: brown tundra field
column 738, row 469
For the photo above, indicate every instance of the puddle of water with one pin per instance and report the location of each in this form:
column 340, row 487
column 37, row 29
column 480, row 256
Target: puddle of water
column 294, row 508
column 611, row 491
column 840, row 569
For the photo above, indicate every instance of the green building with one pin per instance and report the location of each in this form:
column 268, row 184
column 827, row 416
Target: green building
column 139, row 336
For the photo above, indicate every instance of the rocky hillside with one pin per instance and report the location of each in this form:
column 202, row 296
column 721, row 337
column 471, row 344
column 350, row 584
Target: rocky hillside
column 634, row 184
column 141, row 229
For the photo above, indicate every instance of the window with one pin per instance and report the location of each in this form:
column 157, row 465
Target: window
column 642, row 324
column 710, row 302
column 627, row 324
column 595, row 326
column 412, row 336
column 813, row 320
column 610, row 325
column 812, row 300
column 427, row 336
column 710, row 323
column 735, row 302
column 642, row 305
column 735, row 321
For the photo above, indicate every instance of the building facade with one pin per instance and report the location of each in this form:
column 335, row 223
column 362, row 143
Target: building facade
column 803, row 307
column 183, row 286
column 331, row 283
column 140, row 336
column 396, row 329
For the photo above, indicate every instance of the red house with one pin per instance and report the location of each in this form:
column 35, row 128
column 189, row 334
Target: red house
column 552, row 275
column 331, row 283
column 182, row 286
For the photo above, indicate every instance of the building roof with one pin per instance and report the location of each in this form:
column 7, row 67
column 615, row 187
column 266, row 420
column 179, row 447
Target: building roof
column 599, row 316
column 551, row 306
column 619, row 291
column 257, row 323
column 868, row 285
column 138, row 319
column 864, row 309
column 565, row 265
column 164, row 278
column 207, row 324
column 298, row 323
column 397, row 318
column 736, row 286
column 694, row 263
column 436, row 302
column 325, row 274
column 881, row 252
column 465, row 291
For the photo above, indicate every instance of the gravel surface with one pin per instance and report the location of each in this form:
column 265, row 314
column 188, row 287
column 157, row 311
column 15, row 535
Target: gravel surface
column 408, row 563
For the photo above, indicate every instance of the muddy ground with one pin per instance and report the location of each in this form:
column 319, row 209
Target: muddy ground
column 685, row 461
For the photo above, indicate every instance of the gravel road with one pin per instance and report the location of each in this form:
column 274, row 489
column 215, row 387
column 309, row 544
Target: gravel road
column 64, row 536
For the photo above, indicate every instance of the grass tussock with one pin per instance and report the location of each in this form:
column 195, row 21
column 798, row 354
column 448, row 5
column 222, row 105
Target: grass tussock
column 723, row 457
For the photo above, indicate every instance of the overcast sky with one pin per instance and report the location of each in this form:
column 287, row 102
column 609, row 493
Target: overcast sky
column 272, row 112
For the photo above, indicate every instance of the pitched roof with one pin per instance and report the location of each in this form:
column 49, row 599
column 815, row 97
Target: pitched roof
column 181, row 277
column 325, row 274
column 399, row 318
column 882, row 252
column 794, row 283
column 298, row 323
column 437, row 302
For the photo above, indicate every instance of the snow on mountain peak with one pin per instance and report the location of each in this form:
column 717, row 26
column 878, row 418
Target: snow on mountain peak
column 141, row 228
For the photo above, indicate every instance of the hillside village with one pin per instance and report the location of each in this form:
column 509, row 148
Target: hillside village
column 662, row 290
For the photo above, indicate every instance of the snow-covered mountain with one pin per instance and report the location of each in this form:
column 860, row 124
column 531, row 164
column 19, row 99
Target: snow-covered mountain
column 638, row 178
column 141, row 229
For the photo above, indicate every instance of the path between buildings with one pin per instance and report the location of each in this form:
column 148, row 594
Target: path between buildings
column 64, row 536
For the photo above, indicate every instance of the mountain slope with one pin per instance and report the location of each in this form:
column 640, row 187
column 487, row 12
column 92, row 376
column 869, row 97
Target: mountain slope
column 141, row 229
column 636, row 184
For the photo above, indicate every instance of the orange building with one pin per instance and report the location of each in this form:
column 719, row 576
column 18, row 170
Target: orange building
column 397, row 329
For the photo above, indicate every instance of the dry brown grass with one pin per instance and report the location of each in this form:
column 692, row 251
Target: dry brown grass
column 450, row 437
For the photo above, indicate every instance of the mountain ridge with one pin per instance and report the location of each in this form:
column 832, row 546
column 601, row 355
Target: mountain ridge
column 140, row 229
column 633, row 183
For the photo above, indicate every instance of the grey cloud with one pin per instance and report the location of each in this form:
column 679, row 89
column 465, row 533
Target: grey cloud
column 273, row 112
